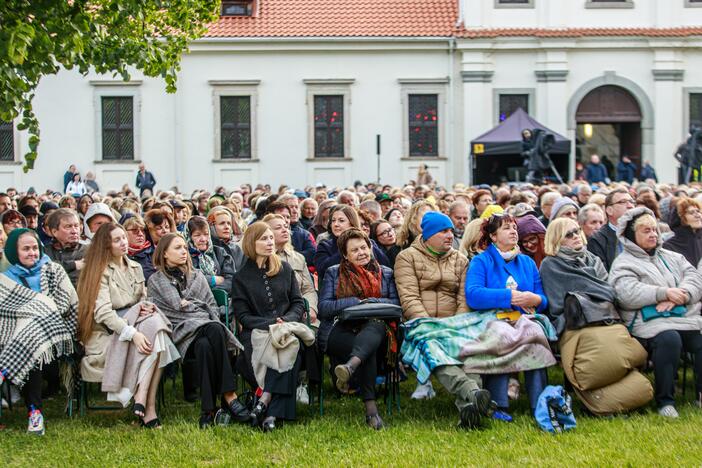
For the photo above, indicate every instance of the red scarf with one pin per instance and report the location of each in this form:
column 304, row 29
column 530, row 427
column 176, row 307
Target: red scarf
column 360, row 282
column 135, row 249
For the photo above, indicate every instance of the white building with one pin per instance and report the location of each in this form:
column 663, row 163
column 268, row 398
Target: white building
column 298, row 91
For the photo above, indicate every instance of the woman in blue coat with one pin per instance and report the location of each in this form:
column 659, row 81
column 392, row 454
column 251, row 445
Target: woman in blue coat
column 358, row 279
column 504, row 279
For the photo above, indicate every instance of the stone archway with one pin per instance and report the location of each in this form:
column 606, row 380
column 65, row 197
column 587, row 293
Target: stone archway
column 645, row 106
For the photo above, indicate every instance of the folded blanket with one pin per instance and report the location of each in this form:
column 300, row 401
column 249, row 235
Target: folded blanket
column 277, row 348
column 478, row 342
column 125, row 365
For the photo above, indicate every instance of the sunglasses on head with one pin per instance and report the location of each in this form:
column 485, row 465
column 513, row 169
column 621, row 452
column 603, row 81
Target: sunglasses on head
column 572, row 233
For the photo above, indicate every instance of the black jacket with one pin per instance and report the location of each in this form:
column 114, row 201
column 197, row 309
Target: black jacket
column 258, row 300
column 685, row 241
column 604, row 244
column 67, row 259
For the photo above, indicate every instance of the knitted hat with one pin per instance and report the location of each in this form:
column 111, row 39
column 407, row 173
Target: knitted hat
column 560, row 204
column 491, row 210
column 528, row 225
column 11, row 244
column 433, row 222
column 94, row 210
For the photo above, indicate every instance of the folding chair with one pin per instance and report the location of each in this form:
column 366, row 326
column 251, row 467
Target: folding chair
column 222, row 299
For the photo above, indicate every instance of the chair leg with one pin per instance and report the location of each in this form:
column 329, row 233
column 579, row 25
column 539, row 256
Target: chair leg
column 82, row 398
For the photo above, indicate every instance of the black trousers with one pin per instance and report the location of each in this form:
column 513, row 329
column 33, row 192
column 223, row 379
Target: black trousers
column 665, row 350
column 363, row 342
column 31, row 391
column 213, row 368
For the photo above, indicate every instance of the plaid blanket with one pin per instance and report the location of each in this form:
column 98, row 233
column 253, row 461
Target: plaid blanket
column 35, row 329
column 478, row 342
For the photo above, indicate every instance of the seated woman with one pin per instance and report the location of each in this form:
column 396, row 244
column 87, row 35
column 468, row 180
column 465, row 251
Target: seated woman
column 214, row 262
column 471, row 238
column 383, row 234
column 359, row 278
column 412, row 223
column 568, row 267
column 502, row 278
column 531, row 237
column 183, row 294
column 266, row 293
column 341, row 218
column 84, row 203
column 140, row 248
column 395, row 218
column 286, row 252
column 321, row 219
column 685, row 220
column 109, row 286
column 644, row 275
column 12, row 219
column 31, row 269
column 221, row 220
column 158, row 224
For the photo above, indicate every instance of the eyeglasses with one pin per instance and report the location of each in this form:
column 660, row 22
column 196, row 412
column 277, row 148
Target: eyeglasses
column 626, row 201
column 14, row 222
column 136, row 230
column 385, row 232
column 572, row 233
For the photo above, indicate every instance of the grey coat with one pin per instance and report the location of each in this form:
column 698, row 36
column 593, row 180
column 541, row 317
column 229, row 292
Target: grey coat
column 640, row 279
column 188, row 312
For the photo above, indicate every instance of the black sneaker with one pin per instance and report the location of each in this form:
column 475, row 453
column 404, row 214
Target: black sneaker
column 238, row 411
column 206, row 420
column 484, row 404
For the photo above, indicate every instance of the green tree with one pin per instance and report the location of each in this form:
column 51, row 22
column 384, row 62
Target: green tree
column 39, row 37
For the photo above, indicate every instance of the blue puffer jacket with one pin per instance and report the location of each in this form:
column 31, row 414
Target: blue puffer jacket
column 330, row 307
column 486, row 281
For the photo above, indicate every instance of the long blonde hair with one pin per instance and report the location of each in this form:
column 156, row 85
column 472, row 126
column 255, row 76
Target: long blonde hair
column 96, row 260
column 248, row 244
column 270, row 217
column 409, row 230
column 471, row 238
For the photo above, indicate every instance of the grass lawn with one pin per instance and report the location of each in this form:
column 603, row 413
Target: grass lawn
column 423, row 434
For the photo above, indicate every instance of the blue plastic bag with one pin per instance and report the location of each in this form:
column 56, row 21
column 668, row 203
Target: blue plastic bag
column 553, row 410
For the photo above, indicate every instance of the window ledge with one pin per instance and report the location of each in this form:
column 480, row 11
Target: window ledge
column 530, row 4
column 421, row 158
column 329, row 159
column 120, row 162
column 10, row 163
column 235, row 161
column 595, row 5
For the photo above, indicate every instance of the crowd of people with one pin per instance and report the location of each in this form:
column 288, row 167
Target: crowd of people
column 490, row 280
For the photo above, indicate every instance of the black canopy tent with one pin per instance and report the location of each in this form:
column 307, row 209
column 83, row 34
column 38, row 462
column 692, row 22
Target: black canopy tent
column 497, row 153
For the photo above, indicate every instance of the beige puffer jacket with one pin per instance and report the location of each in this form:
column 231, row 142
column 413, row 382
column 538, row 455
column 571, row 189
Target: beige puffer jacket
column 431, row 286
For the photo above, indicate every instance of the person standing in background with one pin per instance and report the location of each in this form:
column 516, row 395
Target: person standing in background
column 145, row 180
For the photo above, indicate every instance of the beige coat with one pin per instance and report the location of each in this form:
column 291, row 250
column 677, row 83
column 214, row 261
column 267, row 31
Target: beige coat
column 302, row 275
column 431, row 286
column 119, row 289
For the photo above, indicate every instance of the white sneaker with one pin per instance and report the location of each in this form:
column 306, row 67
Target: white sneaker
column 668, row 411
column 513, row 389
column 15, row 394
column 302, row 395
column 36, row 423
column 424, row 391
column 4, row 404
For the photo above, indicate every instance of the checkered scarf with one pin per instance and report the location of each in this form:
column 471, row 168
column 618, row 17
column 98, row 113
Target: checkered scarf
column 35, row 329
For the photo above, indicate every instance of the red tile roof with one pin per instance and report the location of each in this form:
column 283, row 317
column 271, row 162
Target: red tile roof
column 343, row 18
column 578, row 32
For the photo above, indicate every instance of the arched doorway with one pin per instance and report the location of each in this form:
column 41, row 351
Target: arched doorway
column 608, row 123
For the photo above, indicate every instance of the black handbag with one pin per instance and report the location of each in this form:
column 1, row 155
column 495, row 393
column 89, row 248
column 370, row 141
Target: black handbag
column 582, row 311
column 370, row 311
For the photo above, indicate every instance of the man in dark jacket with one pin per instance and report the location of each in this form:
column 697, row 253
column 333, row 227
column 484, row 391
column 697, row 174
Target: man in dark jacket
column 626, row 170
column 65, row 249
column 596, row 171
column 302, row 240
column 647, row 172
column 145, row 180
column 604, row 242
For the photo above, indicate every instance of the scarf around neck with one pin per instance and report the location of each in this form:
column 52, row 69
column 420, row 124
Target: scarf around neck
column 135, row 249
column 510, row 254
column 575, row 255
column 28, row 277
column 207, row 263
column 360, row 282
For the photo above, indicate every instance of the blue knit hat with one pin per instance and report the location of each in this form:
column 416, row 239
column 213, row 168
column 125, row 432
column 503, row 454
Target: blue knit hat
column 433, row 222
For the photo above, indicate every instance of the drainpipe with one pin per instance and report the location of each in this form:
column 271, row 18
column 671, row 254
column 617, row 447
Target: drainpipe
column 451, row 110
